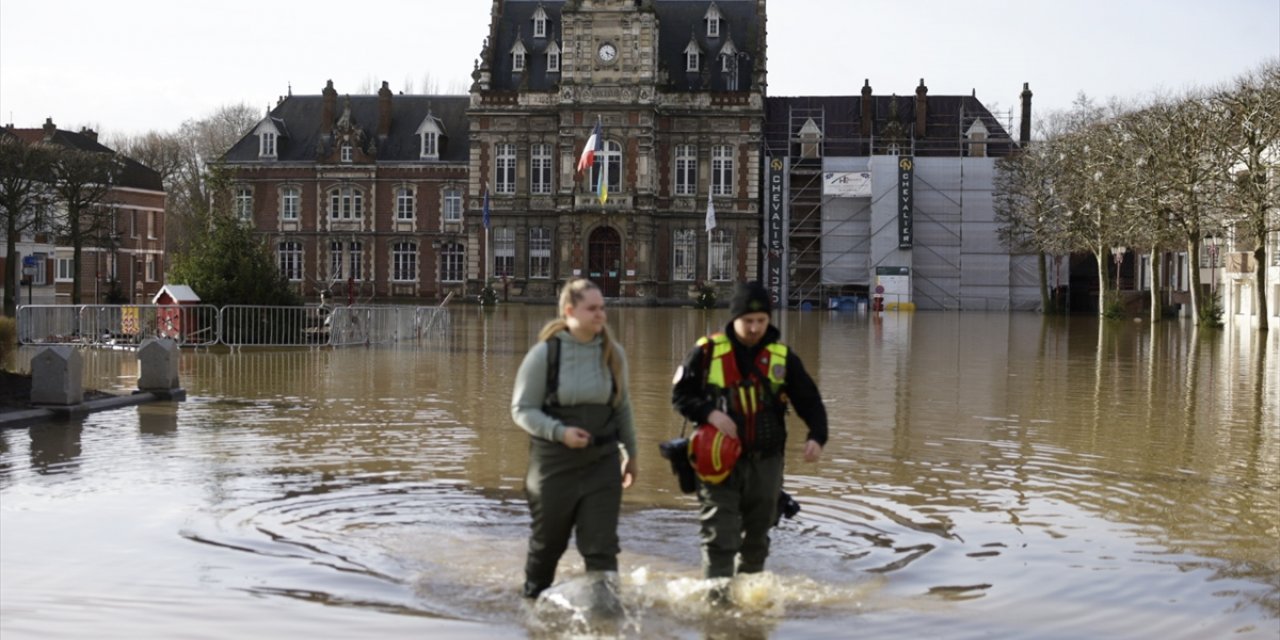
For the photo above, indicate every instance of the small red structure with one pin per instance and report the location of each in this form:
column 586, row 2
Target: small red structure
column 170, row 320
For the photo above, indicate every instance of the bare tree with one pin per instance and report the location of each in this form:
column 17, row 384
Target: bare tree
column 25, row 173
column 1027, row 211
column 82, row 183
column 1250, row 114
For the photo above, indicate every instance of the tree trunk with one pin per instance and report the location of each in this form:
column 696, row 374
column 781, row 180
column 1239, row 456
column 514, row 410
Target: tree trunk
column 1260, row 283
column 1157, row 290
column 77, row 253
column 1047, row 304
column 1193, row 260
column 11, row 266
column 1102, row 282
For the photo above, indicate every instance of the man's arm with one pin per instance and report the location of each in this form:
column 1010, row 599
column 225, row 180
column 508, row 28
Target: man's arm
column 804, row 396
column 689, row 394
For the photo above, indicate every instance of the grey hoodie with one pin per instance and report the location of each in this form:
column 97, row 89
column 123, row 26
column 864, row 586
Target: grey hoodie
column 584, row 379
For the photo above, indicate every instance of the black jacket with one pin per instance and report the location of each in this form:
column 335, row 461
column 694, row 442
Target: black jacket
column 695, row 401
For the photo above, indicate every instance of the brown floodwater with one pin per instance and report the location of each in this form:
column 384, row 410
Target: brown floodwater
column 987, row 476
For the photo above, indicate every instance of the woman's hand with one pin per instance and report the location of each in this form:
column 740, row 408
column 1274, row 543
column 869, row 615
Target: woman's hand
column 628, row 473
column 576, row 438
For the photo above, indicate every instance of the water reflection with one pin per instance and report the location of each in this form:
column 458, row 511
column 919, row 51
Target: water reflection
column 987, row 475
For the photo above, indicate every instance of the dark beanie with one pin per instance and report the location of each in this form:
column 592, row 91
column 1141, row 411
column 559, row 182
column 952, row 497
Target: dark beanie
column 749, row 297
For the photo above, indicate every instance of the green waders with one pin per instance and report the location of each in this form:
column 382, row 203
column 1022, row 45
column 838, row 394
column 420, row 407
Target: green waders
column 737, row 515
column 574, row 490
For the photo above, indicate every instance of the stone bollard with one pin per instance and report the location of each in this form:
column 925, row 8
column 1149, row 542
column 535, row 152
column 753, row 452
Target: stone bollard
column 56, row 376
column 158, row 366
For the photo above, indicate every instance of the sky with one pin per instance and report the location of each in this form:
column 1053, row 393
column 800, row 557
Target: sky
column 132, row 66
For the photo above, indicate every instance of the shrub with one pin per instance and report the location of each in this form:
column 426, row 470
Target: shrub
column 8, row 338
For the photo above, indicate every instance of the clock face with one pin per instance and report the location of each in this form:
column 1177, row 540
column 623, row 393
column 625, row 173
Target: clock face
column 608, row 52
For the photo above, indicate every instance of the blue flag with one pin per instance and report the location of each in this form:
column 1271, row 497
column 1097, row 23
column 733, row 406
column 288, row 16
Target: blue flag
column 486, row 208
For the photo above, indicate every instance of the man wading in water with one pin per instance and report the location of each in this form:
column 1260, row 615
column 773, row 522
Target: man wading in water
column 737, row 385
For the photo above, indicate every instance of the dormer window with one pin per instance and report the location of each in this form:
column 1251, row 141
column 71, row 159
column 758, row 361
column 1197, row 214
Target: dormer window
column 267, row 144
column 346, row 153
column 517, row 56
column 553, row 58
column 429, row 132
column 540, row 23
column 692, row 56
column 269, row 130
column 977, row 135
column 713, row 21
column 728, row 54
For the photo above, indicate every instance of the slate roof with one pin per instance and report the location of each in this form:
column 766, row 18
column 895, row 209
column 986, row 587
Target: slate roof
column 944, row 118
column 134, row 175
column 298, row 118
column 678, row 22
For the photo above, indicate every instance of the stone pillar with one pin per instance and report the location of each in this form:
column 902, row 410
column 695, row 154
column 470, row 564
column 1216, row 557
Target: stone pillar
column 158, row 365
column 56, row 373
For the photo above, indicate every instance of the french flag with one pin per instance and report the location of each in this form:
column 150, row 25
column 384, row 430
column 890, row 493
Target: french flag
column 594, row 143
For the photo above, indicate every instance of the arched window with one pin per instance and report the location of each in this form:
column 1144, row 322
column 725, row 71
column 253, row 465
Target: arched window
column 609, row 160
column 404, row 262
column 452, row 257
column 686, row 170
column 290, row 255
column 346, row 203
column 684, row 249
column 720, row 255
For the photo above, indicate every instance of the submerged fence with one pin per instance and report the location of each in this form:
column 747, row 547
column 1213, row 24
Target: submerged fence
column 233, row 325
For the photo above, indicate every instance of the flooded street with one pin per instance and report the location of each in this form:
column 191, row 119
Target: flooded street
column 987, row 475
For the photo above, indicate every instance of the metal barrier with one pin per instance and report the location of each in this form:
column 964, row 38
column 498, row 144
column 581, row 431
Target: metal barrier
column 117, row 325
column 266, row 326
column 233, row 325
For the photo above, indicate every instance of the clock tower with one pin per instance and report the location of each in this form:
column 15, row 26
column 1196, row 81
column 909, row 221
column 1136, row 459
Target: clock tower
column 677, row 88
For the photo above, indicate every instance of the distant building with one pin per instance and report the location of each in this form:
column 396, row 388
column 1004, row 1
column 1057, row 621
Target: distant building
column 677, row 89
column 894, row 192
column 360, row 196
column 129, row 252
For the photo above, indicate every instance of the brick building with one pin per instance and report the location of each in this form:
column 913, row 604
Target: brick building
column 127, row 253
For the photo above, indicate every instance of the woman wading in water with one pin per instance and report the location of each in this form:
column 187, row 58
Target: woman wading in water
column 571, row 397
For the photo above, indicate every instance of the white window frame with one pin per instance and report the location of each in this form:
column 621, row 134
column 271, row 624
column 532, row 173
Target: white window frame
column 610, row 152
column 722, row 170
column 404, row 262
column 151, row 268
column 290, row 203
column 346, row 202
column 686, row 168
column 243, row 204
column 337, row 258
column 540, row 252
column 540, row 163
column 355, row 261
column 453, row 258
column 64, row 269
column 720, row 255
column 452, row 204
column 692, row 57
column 267, row 144
column 346, row 153
column 151, row 225
column 406, row 204
column 553, row 62
column 289, row 259
column 505, row 168
column 430, row 145
column 504, row 252
column 684, row 255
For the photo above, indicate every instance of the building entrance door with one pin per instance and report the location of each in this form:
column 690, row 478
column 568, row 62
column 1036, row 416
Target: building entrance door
column 604, row 260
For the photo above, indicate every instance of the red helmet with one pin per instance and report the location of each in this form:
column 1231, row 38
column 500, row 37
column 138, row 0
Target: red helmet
column 713, row 454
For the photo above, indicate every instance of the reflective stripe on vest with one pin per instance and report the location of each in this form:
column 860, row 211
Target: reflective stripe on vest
column 721, row 349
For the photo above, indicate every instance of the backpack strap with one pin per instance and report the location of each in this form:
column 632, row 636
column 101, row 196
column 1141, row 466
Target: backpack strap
column 553, row 371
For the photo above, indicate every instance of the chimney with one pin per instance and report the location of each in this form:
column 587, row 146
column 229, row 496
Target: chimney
column 326, row 112
column 922, row 108
column 384, row 110
column 866, row 109
column 1024, row 136
column 49, row 129
column 89, row 133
